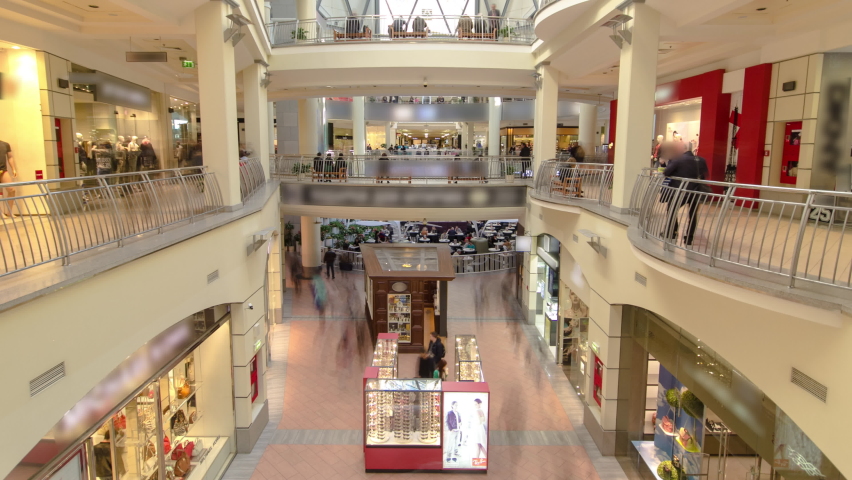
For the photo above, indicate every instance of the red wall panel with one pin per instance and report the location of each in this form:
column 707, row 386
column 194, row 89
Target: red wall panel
column 752, row 134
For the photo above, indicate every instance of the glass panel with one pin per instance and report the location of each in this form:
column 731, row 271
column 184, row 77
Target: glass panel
column 408, row 259
column 468, row 364
column 402, row 412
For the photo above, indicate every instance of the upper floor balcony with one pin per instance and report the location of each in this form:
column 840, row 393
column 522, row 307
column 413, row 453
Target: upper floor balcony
column 402, row 28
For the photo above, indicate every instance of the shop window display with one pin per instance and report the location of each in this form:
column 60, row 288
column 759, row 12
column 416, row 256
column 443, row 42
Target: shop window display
column 185, row 133
column 403, row 412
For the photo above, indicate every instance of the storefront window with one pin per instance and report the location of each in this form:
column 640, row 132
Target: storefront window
column 185, row 133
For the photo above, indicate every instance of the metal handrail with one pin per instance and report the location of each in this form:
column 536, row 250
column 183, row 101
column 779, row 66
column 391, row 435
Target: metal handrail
column 380, row 28
column 464, row 263
column 251, row 177
column 572, row 180
column 801, row 235
column 52, row 220
column 400, row 169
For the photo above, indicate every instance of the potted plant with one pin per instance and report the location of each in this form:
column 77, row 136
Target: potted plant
column 288, row 236
column 506, row 33
column 299, row 34
column 300, row 169
column 510, row 174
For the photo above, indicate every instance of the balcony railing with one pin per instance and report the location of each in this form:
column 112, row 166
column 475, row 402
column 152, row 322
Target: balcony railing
column 380, row 28
column 464, row 263
column 251, row 177
column 52, row 220
column 396, row 170
column 799, row 235
column 571, row 180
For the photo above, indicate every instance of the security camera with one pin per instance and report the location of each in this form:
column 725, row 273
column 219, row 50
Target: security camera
column 251, row 307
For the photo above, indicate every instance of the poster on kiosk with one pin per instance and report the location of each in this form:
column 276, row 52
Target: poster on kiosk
column 465, row 419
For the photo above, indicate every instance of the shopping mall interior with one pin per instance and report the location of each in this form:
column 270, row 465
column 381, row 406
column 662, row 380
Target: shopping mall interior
column 340, row 239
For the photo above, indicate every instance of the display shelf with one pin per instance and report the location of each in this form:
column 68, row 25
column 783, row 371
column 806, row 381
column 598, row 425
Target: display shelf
column 386, row 355
column 403, row 412
column 468, row 363
column 399, row 316
column 178, row 403
column 198, row 463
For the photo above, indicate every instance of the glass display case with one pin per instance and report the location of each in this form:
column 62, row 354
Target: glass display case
column 403, row 412
column 385, row 356
column 399, row 316
column 468, row 363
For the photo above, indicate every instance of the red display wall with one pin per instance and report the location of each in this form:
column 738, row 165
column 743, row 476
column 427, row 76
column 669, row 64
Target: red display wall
column 751, row 138
column 715, row 109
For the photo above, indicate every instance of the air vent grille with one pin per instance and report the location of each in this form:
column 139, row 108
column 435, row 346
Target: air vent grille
column 46, row 379
column 810, row 385
column 212, row 277
column 641, row 279
column 576, row 238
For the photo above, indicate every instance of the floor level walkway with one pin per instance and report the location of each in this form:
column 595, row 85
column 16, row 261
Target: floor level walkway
column 314, row 384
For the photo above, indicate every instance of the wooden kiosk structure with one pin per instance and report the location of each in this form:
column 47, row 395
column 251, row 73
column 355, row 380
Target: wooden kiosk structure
column 406, row 290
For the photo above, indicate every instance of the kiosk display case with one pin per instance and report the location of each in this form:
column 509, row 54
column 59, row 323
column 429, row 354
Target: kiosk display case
column 403, row 411
column 468, row 364
column 401, row 282
column 385, row 356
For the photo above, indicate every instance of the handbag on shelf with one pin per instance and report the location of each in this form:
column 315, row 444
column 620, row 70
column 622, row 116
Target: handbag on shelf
column 199, row 446
column 119, row 421
column 189, row 447
column 167, row 445
column 150, row 450
column 182, row 465
column 179, row 423
column 178, row 451
column 183, row 390
column 192, row 417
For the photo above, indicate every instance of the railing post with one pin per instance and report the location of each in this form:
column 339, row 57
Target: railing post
column 716, row 243
column 119, row 226
column 185, row 189
column 58, row 219
column 156, row 201
column 799, row 237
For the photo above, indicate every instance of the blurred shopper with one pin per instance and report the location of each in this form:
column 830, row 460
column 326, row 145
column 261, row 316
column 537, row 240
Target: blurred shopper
column 525, row 159
column 440, row 370
column 329, row 259
column 426, row 367
column 494, row 17
column 436, row 347
column 686, row 166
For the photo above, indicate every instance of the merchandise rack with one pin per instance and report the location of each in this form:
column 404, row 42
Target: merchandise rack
column 468, row 363
column 386, row 355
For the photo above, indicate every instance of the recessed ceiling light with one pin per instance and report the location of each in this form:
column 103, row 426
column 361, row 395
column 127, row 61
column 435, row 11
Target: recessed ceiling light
column 761, row 9
column 113, row 14
column 15, row 47
column 94, row 6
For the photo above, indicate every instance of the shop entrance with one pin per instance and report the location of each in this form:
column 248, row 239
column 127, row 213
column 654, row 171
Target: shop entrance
column 547, row 289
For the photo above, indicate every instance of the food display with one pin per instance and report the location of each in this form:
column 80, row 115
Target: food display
column 667, row 426
column 685, row 439
column 468, row 364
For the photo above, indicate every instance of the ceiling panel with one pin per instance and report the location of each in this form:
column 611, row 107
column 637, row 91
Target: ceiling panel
column 96, row 10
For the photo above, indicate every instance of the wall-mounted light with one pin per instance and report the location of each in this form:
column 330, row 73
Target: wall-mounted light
column 234, row 32
column 619, row 36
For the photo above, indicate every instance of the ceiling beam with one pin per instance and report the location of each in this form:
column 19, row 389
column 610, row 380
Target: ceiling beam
column 592, row 18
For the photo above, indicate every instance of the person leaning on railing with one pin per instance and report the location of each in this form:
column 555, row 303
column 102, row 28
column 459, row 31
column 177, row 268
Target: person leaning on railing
column 688, row 166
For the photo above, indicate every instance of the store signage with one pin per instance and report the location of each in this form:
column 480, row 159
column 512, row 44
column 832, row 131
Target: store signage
column 767, row 153
column 188, row 64
column 39, row 174
column 596, row 348
column 257, row 345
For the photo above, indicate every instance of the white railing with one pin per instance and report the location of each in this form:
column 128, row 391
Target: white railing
column 401, row 169
column 464, row 263
column 52, row 220
column 376, row 28
column 569, row 180
column 802, row 235
column 251, row 177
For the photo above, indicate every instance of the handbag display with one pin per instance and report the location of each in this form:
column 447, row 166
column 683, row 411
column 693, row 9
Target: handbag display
column 167, row 445
column 182, row 465
column 183, row 391
column 119, row 421
column 150, row 450
column 179, row 423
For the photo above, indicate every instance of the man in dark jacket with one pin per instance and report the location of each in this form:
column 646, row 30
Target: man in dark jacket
column 525, row 159
column 426, row 368
column 436, row 347
column 329, row 259
column 687, row 166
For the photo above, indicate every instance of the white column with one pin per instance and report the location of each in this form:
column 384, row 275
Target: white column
column 218, row 93
column 637, row 83
column 310, row 138
column 588, row 128
column 306, row 9
column 546, row 99
column 270, row 131
column 495, row 114
column 465, row 138
column 359, row 126
column 256, row 109
column 311, row 242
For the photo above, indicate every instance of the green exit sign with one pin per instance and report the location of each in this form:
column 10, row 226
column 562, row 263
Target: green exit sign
column 188, row 64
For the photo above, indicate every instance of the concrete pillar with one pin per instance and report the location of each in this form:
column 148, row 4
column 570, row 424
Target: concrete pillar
column 306, row 10
column 637, row 83
column 388, row 141
column 218, row 93
column 310, row 136
column 287, row 126
column 256, row 109
column 359, row 126
column 468, row 138
column 311, row 242
column 544, row 126
column 495, row 114
column 270, row 131
column 588, row 127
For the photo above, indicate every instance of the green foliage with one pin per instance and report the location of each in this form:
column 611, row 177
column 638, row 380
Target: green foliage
column 325, row 230
column 510, row 169
column 299, row 34
column 506, row 32
column 691, row 405
column 301, row 168
column 667, row 471
column 673, row 398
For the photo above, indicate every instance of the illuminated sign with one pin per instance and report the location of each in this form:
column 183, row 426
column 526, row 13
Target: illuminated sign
column 188, row 64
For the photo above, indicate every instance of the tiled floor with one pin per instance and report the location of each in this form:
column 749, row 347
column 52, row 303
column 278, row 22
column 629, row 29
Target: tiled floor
column 320, row 354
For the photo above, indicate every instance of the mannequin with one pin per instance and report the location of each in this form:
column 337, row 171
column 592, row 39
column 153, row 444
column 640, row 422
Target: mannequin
column 104, row 156
column 132, row 154
column 121, row 155
column 87, row 167
column 8, row 171
column 147, row 156
column 655, row 155
column 695, row 145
